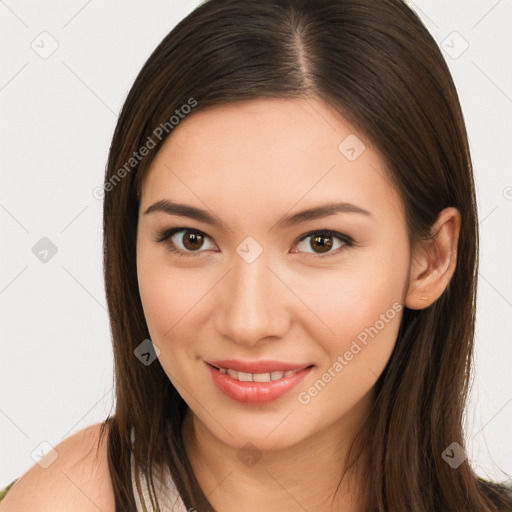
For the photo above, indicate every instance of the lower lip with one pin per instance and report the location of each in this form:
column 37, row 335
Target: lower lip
column 255, row 392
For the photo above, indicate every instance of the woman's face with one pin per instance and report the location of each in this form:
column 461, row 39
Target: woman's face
column 256, row 282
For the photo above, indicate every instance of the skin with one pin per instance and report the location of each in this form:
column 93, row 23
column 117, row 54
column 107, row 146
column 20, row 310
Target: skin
column 77, row 480
column 249, row 164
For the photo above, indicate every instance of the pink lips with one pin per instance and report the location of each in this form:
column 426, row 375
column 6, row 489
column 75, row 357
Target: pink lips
column 256, row 392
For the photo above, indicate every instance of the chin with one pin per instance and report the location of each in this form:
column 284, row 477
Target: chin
column 275, row 430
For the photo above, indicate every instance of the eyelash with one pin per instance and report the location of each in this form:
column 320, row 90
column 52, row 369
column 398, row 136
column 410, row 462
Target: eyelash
column 164, row 236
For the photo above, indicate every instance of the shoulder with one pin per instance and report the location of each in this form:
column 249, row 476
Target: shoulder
column 77, row 480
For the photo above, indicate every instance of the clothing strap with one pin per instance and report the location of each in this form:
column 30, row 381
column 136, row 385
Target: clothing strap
column 169, row 498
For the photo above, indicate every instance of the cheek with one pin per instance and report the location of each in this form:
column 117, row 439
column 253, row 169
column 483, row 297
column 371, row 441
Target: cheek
column 174, row 300
column 364, row 318
column 168, row 296
column 345, row 303
column 171, row 303
column 357, row 318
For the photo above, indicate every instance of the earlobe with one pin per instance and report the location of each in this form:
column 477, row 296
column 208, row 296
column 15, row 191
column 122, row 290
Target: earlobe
column 433, row 262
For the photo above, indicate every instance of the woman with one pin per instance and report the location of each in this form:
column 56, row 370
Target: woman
column 290, row 239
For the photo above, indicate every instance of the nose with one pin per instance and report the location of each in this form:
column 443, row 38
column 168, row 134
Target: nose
column 253, row 303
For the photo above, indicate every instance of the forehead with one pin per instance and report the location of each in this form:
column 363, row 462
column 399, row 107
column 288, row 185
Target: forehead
column 268, row 153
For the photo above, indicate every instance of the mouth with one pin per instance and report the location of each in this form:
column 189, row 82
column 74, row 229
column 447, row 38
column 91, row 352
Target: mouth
column 258, row 381
column 258, row 377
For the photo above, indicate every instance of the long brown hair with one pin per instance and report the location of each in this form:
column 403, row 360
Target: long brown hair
column 376, row 64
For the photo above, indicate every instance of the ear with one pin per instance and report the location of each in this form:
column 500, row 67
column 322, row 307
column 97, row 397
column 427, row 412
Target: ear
column 433, row 261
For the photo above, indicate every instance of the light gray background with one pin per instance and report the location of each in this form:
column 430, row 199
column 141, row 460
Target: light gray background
column 57, row 118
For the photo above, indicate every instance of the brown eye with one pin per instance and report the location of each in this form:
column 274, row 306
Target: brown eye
column 185, row 241
column 192, row 240
column 321, row 243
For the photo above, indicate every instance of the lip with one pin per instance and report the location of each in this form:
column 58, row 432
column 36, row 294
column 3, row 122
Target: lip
column 256, row 392
column 262, row 366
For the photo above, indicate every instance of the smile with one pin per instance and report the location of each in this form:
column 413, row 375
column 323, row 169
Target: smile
column 268, row 380
column 257, row 377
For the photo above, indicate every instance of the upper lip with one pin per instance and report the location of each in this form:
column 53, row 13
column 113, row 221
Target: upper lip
column 263, row 366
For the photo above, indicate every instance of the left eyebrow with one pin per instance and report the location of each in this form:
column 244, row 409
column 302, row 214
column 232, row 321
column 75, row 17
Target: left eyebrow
column 317, row 212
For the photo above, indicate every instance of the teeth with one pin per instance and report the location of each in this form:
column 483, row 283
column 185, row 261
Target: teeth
column 256, row 377
column 261, row 377
column 232, row 373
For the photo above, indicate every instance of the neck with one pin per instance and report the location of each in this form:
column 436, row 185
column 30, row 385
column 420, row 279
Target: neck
column 305, row 476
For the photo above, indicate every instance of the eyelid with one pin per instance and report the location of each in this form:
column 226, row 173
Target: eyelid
column 327, row 232
column 166, row 234
column 347, row 241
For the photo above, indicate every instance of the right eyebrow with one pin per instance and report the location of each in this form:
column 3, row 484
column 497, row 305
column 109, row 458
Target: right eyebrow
column 183, row 210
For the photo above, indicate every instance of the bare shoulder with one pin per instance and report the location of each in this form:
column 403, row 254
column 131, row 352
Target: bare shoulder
column 78, row 479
